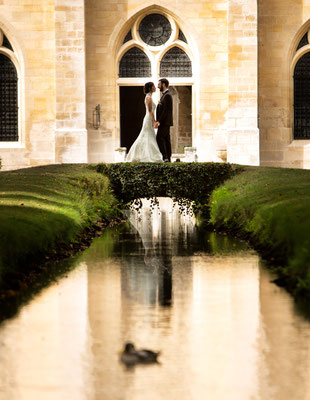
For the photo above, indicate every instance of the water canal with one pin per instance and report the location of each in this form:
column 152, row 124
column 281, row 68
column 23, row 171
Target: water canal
column 204, row 300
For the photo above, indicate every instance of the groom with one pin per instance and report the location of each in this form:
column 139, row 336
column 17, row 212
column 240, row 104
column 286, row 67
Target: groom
column 164, row 120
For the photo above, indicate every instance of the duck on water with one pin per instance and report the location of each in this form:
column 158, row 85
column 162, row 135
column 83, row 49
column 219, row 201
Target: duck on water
column 131, row 356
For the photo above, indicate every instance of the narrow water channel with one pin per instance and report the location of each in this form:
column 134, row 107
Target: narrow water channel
column 204, row 300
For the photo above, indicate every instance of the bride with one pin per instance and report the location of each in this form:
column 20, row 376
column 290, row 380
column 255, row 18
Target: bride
column 145, row 148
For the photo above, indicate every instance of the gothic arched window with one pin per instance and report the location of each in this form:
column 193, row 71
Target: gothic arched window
column 302, row 98
column 175, row 63
column 8, row 100
column 134, row 64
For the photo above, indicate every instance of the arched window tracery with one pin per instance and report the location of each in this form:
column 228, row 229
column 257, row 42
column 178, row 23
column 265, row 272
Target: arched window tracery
column 153, row 34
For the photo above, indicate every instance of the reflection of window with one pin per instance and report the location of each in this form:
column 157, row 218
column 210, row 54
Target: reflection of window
column 134, row 64
column 175, row 63
column 8, row 100
column 302, row 98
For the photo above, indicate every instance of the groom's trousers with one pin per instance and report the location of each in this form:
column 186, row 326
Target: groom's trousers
column 163, row 141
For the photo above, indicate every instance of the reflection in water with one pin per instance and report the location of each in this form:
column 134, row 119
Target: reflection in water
column 156, row 230
column 224, row 331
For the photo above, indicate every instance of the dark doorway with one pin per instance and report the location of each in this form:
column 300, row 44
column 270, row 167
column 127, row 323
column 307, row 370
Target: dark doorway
column 132, row 111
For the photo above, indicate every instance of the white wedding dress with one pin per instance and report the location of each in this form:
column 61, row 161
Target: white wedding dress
column 145, row 147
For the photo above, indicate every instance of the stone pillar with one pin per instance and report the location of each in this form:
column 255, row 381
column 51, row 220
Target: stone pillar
column 242, row 132
column 71, row 133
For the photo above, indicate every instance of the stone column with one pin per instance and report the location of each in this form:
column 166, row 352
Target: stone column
column 71, row 133
column 243, row 133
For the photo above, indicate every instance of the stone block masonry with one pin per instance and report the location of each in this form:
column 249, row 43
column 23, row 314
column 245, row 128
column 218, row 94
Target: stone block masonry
column 71, row 133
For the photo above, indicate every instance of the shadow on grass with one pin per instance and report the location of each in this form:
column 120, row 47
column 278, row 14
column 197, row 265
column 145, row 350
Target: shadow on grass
column 39, row 200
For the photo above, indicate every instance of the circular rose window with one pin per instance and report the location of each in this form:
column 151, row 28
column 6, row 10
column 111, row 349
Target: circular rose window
column 155, row 30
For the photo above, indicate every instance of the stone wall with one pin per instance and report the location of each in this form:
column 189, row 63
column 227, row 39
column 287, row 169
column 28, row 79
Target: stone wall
column 233, row 91
column 242, row 131
column 49, row 44
column 101, row 19
column 71, row 134
column 30, row 28
column 224, row 102
column 281, row 26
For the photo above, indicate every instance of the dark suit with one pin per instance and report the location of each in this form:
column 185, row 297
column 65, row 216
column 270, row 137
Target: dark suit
column 164, row 117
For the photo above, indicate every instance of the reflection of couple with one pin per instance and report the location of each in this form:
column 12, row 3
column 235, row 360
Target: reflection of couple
column 148, row 147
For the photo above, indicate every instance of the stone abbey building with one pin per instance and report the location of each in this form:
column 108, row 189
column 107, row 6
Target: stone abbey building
column 72, row 72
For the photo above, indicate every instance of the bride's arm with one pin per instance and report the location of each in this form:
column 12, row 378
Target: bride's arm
column 149, row 107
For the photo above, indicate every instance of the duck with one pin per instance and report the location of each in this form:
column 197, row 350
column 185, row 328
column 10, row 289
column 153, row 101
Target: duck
column 131, row 356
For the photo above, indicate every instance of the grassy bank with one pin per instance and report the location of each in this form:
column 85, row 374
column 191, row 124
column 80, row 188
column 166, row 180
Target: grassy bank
column 271, row 206
column 44, row 209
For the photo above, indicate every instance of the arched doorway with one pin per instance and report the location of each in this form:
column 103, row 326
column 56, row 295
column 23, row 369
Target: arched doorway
column 154, row 47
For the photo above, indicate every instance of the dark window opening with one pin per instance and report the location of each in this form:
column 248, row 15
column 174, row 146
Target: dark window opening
column 182, row 36
column 175, row 63
column 303, row 42
column 134, row 64
column 127, row 37
column 155, row 29
column 6, row 43
column 8, row 100
column 302, row 98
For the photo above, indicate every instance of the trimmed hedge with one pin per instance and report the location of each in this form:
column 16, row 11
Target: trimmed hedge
column 184, row 182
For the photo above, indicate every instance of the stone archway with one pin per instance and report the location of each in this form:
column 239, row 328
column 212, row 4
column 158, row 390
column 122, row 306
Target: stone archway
column 139, row 61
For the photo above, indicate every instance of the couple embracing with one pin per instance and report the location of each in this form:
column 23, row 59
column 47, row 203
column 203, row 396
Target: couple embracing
column 148, row 147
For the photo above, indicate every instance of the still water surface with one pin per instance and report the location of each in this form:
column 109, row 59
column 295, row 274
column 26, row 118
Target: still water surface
column 205, row 301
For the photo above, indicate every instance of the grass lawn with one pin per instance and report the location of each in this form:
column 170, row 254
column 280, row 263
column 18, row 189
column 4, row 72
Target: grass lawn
column 271, row 206
column 42, row 208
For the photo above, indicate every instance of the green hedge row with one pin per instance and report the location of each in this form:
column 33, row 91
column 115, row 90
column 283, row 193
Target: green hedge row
column 184, row 182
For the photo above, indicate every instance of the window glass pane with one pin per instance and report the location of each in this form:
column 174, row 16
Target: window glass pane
column 182, row 36
column 176, row 63
column 8, row 100
column 134, row 63
column 303, row 42
column 127, row 37
column 302, row 98
column 155, row 29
